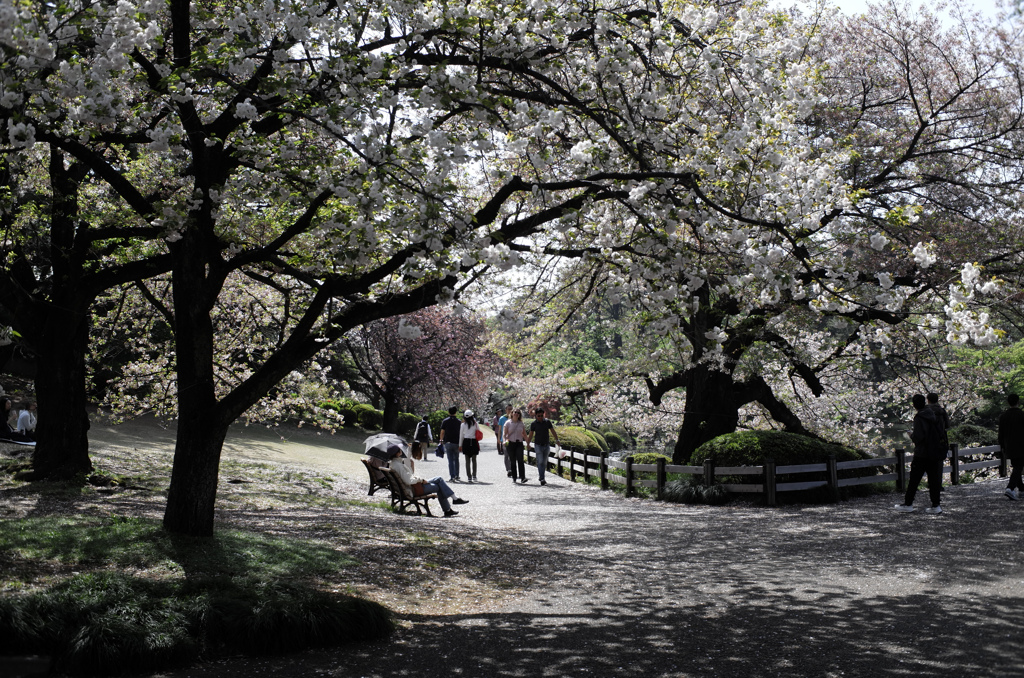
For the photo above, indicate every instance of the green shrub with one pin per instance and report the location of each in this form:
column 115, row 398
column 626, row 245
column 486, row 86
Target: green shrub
column 407, row 424
column 111, row 623
column 967, row 434
column 599, row 439
column 691, row 491
column 751, row 448
column 620, row 431
column 368, row 417
column 434, row 419
column 650, row 458
column 614, row 441
column 577, row 438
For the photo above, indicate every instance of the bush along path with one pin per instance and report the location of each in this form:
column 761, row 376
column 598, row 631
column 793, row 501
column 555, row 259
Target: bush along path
column 630, row 587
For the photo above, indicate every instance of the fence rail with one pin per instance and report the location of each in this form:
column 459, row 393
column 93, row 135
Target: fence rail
column 884, row 469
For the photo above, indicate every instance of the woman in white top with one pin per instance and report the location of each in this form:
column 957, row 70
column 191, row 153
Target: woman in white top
column 27, row 420
column 515, row 434
column 468, row 444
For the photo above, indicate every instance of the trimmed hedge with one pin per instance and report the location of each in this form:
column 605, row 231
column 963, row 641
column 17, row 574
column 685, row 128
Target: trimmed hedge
column 751, row 448
column 650, row 458
column 620, row 431
column 965, row 434
column 407, row 424
column 368, row 417
column 614, row 441
column 577, row 438
column 599, row 439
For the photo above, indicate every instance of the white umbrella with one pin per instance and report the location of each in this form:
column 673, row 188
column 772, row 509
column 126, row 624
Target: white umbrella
column 377, row 445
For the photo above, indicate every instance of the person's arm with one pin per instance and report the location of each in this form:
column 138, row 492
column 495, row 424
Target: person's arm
column 529, row 438
column 918, row 434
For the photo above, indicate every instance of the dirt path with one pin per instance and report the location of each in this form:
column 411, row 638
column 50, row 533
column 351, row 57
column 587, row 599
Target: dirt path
column 639, row 588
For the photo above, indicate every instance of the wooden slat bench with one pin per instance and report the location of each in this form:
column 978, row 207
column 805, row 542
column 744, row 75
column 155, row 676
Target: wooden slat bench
column 400, row 498
column 377, row 479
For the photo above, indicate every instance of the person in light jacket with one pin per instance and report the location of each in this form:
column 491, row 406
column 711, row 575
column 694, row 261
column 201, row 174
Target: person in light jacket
column 403, row 468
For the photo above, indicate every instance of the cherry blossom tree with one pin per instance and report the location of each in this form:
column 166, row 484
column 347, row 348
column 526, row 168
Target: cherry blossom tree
column 423, row 360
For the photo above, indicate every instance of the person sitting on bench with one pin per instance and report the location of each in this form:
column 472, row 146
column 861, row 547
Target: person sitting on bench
column 402, row 466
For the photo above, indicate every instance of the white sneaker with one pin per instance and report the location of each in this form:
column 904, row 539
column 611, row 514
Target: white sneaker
column 934, row 510
column 1011, row 494
column 904, row 508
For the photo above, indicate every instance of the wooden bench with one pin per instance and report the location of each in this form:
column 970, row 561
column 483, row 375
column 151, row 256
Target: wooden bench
column 400, row 498
column 377, row 479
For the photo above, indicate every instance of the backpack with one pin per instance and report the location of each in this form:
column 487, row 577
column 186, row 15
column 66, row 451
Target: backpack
column 421, row 432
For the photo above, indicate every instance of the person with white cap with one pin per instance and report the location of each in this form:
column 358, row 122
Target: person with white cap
column 469, row 443
column 403, row 468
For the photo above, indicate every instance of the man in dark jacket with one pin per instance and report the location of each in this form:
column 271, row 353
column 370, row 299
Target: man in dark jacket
column 450, row 426
column 1011, row 440
column 929, row 454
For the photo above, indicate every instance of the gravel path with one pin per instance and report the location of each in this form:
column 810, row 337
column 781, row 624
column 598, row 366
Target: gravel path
column 642, row 588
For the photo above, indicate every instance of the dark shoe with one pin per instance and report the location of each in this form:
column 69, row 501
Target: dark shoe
column 449, row 513
column 460, row 500
column 543, row 482
column 510, row 475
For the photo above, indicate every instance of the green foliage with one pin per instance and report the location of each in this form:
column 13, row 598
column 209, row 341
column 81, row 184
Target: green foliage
column 620, row 431
column 108, row 622
column 345, row 407
column 691, row 491
column 434, row 419
column 577, row 438
column 751, row 448
column 599, row 439
column 972, row 434
column 650, row 458
column 368, row 417
column 407, row 423
column 614, row 441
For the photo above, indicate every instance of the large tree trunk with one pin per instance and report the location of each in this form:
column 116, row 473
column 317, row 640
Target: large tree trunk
column 390, row 413
column 711, row 410
column 193, row 491
column 62, row 447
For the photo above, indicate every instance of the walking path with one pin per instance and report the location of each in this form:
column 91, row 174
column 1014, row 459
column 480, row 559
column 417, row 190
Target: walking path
column 630, row 587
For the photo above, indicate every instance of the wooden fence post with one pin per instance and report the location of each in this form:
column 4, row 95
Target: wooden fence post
column 558, row 465
column 901, row 469
column 1003, row 471
column 954, row 464
column 586, row 467
column 769, row 482
column 572, row 464
column 709, row 472
column 661, row 476
column 603, row 470
column 629, row 476
column 833, row 477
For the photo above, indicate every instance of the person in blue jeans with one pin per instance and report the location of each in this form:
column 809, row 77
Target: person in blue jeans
column 543, row 429
column 450, row 429
column 404, row 467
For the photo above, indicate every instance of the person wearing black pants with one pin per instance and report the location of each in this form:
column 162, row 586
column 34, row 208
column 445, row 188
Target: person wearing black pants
column 929, row 455
column 1011, row 443
column 514, row 434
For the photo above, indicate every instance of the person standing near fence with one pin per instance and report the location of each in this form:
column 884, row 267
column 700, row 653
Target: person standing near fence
column 1011, row 442
column 543, row 429
column 928, row 457
column 499, row 432
column 449, row 437
column 515, row 433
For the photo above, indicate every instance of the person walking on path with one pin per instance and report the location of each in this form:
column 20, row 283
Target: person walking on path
column 422, row 437
column 928, row 457
column 514, row 433
column 449, row 437
column 1011, row 442
column 500, row 432
column 542, row 428
column 404, row 469
column 470, row 442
